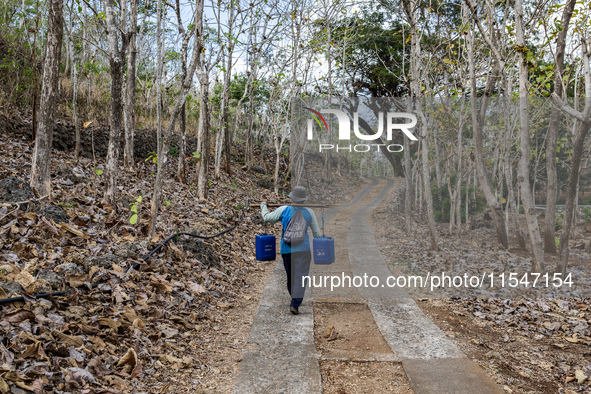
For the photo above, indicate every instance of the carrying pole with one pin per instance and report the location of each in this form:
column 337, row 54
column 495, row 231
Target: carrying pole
column 322, row 221
column 295, row 205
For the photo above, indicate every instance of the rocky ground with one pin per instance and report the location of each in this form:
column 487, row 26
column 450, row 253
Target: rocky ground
column 529, row 343
column 177, row 324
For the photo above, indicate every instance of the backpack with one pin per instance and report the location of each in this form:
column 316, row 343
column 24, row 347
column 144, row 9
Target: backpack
column 295, row 232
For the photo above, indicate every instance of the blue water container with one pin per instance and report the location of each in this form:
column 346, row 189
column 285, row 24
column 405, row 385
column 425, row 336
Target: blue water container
column 265, row 247
column 324, row 250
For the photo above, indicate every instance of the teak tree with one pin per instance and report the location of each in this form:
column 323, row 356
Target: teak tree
column 41, row 163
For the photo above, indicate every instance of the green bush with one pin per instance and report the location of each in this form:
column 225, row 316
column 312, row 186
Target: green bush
column 442, row 203
column 587, row 214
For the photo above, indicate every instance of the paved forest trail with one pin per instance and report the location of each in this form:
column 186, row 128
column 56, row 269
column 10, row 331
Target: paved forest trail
column 385, row 343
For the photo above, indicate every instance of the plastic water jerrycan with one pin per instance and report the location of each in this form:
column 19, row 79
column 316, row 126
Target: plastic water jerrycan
column 265, row 247
column 324, row 250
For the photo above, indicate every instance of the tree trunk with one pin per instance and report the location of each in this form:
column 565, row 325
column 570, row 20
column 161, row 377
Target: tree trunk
column 75, row 108
column 279, row 140
column 116, row 57
column 181, row 170
column 74, row 79
column 128, row 159
column 249, row 149
column 492, row 202
column 41, row 163
column 524, row 154
column 438, row 177
column 427, row 179
column 186, row 85
column 205, row 135
column 35, row 77
column 573, row 176
column 294, row 146
column 452, row 206
column 224, row 145
column 415, row 66
column 227, row 135
column 159, row 67
column 226, row 95
column 467, row 207
column 408, row 182
column 160, row 149
column 551, row 139
column 584, row 124
column 328, row 158
column 219, row 146
column 181, row 174
column 512, row 204
column 459, row 172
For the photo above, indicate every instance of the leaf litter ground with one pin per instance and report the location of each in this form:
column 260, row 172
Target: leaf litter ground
column 179, row 324
column 526, row 344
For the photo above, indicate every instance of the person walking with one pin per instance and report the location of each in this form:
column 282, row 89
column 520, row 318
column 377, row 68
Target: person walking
column 296, row 258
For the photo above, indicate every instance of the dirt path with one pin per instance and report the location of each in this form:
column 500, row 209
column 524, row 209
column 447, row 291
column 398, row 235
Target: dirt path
column 359, row 360
column 355, row 339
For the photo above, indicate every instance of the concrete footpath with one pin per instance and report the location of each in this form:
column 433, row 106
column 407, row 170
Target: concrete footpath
column 281, row 356
column 432, row 362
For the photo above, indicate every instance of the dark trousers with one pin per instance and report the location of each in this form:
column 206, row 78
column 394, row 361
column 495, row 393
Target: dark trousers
column 297, row 265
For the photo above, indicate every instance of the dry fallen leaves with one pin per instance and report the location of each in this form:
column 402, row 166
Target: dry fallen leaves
column 580, row 376
column 130, row 358
column 178, row 305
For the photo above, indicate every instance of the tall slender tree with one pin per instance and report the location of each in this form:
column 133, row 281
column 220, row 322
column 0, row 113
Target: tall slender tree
column 411, row 9
column 40, row 168
column 524, row 154
column 128, row 158
column 478, row 115
column 552, row 137
column 180, row 101
column 186, row 36
column 117, row 47
column 582, row 129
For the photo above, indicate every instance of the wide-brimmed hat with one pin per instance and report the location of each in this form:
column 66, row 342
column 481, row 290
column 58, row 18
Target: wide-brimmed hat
column 298, row 194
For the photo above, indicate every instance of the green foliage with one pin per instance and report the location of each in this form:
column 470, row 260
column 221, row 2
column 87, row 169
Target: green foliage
column 67, row 205
column 134, row 209
column 153, row 156
column 374, row 43
column 238, row 86
column 91, row 68
column 17, row 72
column 587, row 214
column 442, row 203
column 172, row 55
column 173, row 151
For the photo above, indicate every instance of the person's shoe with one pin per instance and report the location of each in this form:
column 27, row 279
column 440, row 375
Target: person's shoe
column 294, row 310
